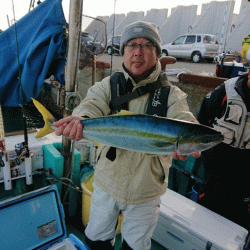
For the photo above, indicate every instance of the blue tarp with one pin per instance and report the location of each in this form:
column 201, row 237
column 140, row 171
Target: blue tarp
column 42, row 48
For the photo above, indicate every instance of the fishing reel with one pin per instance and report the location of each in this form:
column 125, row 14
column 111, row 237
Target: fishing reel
column 1, row 159
column 72, row 100
column 21, row 151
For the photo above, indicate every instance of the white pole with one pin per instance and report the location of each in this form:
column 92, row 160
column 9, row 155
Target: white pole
column 75, row 24
column 5, row 157
column 28, row 170
column 7, row 173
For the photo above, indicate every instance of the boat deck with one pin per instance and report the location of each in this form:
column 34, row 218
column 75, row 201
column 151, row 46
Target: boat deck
column 118, row 242
column 73, row 225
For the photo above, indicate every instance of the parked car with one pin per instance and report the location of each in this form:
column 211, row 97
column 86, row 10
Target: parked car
column 115, row 47
column 196, row 47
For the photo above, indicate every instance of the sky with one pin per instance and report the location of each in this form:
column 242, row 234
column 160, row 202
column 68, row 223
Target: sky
column 100, row 7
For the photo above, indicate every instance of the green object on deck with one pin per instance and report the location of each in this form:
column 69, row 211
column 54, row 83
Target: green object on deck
column 184, row 174
column 54, row 161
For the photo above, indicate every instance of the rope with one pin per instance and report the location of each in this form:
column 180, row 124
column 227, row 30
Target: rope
column 52, row 178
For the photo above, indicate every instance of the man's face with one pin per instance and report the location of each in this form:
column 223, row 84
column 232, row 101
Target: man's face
column 140, row 60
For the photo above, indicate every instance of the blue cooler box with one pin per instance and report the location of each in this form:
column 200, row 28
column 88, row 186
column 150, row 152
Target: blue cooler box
column 230, row 69
column 35, row 221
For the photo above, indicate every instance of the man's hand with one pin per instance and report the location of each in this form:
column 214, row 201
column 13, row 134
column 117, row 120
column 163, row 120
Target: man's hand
column 178, row 156
column 70, row 127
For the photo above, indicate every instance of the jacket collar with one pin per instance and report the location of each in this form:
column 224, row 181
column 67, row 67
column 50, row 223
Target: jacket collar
column 243, row 90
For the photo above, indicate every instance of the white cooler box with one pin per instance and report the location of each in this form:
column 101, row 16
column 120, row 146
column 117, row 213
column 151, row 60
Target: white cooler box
column 186, row 225
column 35, row 221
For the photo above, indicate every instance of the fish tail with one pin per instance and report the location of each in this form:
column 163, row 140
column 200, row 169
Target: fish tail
column 44, row 112
column 44, row 131
column 47, row 117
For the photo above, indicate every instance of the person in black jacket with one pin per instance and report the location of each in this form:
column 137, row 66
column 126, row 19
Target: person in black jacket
column 227, row 190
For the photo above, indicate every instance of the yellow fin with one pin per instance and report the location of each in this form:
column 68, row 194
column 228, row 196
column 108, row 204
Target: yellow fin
column 96, row 143
column 152, row 155
column 44, row 131
column 44, row 112
column 47, row 117
column 125, row 112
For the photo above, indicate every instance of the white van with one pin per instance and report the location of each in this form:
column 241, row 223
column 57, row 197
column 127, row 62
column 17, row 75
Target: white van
column 196, row 47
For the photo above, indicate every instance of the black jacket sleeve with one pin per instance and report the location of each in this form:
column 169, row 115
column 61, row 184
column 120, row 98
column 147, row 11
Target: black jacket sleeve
column 212, row 106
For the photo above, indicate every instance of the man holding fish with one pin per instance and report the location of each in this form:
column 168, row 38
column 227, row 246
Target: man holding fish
column 130, row 181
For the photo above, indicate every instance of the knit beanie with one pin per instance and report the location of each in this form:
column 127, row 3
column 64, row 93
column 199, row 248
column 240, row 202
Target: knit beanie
column 141, row 29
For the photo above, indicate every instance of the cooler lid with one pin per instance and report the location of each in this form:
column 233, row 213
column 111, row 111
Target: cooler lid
column 32, row 221
column 203, row 224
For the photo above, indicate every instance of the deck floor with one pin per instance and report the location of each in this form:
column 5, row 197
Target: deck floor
column 80, row 235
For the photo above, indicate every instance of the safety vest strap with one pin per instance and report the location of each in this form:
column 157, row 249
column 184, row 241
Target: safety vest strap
column 120, row 95
column 158, row 100
column 118, row 89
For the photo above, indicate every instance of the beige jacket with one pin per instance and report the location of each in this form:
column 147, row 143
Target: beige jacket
column 132, row 178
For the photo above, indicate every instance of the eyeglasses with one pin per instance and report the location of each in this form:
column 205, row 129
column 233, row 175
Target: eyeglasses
column 144, row 46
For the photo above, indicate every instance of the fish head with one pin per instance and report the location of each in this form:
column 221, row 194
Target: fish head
column 198, row 140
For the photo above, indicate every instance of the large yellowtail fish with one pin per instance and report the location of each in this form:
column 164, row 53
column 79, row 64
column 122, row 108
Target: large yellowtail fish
column 144, row 133
column 150, row 134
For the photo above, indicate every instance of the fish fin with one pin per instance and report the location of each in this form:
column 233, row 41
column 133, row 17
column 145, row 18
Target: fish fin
column 125, row 112
column 44, row 131
column 96, row 143
column 161, row 144
column 47, row 117
column 44, row 112
column 147, row 154
column 87, row 176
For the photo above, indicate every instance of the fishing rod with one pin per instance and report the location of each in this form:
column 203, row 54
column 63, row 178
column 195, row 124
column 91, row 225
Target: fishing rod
column 22, row 149
column 32, row 4
column 111, row 64
column 21, row 89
